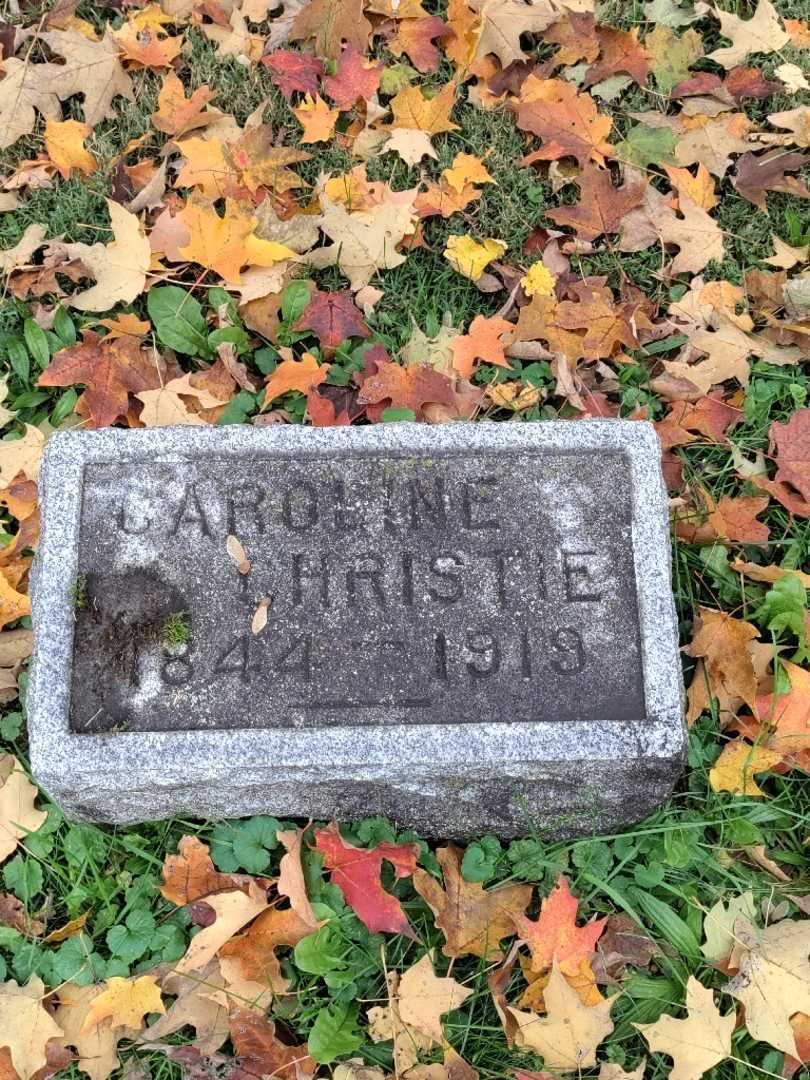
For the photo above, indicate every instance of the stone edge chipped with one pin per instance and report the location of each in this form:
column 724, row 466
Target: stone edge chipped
column 66, row 763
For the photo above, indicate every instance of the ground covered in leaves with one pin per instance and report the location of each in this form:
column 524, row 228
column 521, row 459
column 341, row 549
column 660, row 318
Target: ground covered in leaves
column 362, row 211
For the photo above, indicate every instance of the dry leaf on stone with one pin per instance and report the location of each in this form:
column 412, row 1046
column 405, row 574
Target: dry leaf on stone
column 696, row 1043
column 26, row 1025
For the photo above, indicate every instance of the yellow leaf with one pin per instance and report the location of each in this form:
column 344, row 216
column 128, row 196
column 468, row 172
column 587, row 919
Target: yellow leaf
column 469, row 257
column 125, row 1002
column 13, row 604
column 567, row 1037
column 696, row 1043
column 226, row 244
column 18, row 816
column 206, row 167
column 424, row 998
column 466, row 169
column 412, row 109
column 96, row 1048
column 119, row 267
column 317, row 119
column 698, row 188
column 538, row 281
column 26, row 1026
column 773, row 982
column 21, row 456
column 299, row 375
column 64, row 142
column 734, row 769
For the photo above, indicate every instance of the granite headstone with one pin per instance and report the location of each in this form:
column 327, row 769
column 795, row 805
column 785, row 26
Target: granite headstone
column 469, row 627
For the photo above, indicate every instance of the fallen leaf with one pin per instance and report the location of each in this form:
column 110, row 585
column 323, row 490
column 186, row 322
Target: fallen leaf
column 483, row 341
column 503, row 22
column 601, row 206
column 415, row 37
column 191, row 875
column 316, row 118
column 291, row 881
column 696, row 1043
column 790, row 445
column 226, row 244
column 262, row 1053
column 299, row 375
column 567, row 1037
column 554, row 935
column 412, row 109
column 471, row 258
column 18, row 255
column 196, row 1005
column 700, row 188
column 424, row 998
column 718, row 926
column 620, row 50
column 26, row 1025
column 125, row 1002
column 721, row 640
column 763, row 33
column 119, row 267
column 14, row 914
column 97, row 1048
column 330, row 23
column 773, row 983
column 21, row 456
column 568, row 122
column 333, row 317
column 385, row 384
column 474, row 921
column 758, row 174
column 366, row 241
column 232, row 911
column 18, row 816
column 109, row 368
column 356, row 79
column 734, row 769
column 357, row 872
column 293, row 71
column 177, row 114
column 64, row 143
column 91, row 68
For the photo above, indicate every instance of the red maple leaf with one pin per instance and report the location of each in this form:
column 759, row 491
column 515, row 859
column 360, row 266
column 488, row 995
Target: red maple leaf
column 555, row 933
column 293, row 71
column 357, row 872
column 354, row 81
column 333, row 316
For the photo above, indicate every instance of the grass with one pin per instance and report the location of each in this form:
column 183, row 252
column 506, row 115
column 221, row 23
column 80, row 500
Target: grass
column 668, row 871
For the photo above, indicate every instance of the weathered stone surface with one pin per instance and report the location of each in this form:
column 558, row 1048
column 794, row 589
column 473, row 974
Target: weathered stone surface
column 469, row 627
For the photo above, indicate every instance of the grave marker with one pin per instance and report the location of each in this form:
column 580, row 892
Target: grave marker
column 468, row 627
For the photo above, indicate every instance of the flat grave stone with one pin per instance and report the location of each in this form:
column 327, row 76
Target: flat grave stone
column 468, row 627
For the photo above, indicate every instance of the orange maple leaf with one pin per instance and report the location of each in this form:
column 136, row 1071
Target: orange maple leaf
column 226, row 244
column 555, row 934
column 299, row 375
column 568, row 122
column 481, row 342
